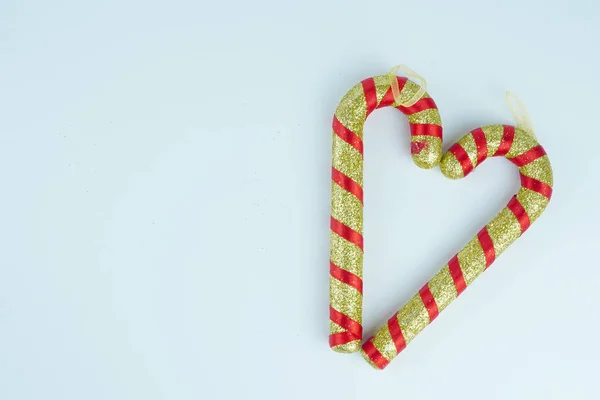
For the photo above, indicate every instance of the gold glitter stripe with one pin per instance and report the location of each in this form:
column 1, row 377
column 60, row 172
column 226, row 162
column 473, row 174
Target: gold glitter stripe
column 472, row 260
column 539, row 169
column 335, row 328
column 413, row 318
column 504, row 229
column 345, row 299
column 430, row 116
column 408, row 91
column 346, row 208
column 451, row 167
column 533, row 202
column 468, row 143
column 384, row 343
column 521, row 144
column 382, row 85
column 351, row 347
column 347, row 160
column 442, row 288
column 345, row 254
column 493, row 135
column 352, row 110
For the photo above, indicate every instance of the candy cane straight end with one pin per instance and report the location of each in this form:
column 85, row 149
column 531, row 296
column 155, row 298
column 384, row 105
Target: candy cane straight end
column 372, row 355
column 369, row 361
column 347, row 348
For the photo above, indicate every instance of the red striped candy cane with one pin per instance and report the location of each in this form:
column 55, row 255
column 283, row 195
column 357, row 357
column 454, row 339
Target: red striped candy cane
column 346, row 239
column 522, row 210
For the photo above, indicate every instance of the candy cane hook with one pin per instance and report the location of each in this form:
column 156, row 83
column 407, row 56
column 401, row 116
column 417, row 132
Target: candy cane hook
column 346, row 238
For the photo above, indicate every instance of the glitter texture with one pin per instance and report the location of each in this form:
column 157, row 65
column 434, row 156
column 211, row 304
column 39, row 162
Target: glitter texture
column 522, row 142
column 382, row 85
column 347, row 348
column 534, row 203
column 347, row 160
column 451, row 167
column 442, row 288
column 493, row 134
column 345, row 253
column 427, row 159
column 471, row 261
column 413, row 318
column 352, row 111
column 504, row 229
column 345, row 299
column 384, row 343
column 409, row 90
column 347, row 209
column 431, row 116
column 538, row 169
column 468, row 143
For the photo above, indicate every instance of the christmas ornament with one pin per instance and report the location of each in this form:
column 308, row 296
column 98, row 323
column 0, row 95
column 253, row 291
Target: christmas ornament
column 522, row 149
column 346, row 240
column 517, row 144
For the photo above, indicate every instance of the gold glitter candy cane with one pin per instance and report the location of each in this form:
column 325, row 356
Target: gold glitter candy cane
column 346, row 240
column 523, row 150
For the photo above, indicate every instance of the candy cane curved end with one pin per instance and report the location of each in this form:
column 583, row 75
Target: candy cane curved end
column 346, row 240
column 523, row 150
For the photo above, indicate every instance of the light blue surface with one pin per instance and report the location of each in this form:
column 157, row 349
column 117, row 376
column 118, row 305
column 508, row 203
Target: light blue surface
column 165, row 197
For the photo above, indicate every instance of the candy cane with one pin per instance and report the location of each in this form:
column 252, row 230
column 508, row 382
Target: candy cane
column 522, row 210
column 346, row 239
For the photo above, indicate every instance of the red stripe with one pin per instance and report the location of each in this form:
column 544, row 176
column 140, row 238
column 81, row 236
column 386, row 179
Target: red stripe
column 529, row 156
column 429, row 302
column 346, row 183
column 421, row 105
column 426, row 130
column 457, row 275
column 387, row 100
column 345, row 322
column 346, row 232
column 481, row 143
column 374, row 355
column 346, row 277
column 347, row 135
column 537, row 186
column 340, row 338
column 507, row 141
column 370, row 94
column 520, row 213
column 417, row 147
column 396, row 333
column 487, row 245
column 462, row 157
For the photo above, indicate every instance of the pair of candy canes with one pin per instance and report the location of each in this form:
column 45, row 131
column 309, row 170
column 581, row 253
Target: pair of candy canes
column 346, row 236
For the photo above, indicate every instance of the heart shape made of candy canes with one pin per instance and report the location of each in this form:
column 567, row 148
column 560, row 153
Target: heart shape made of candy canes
column 346, row 240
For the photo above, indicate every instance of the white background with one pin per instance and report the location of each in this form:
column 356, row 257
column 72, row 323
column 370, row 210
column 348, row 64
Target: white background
column 164, row 217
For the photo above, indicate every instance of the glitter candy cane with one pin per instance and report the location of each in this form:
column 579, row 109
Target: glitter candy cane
column 346, row 238
column 520, row 148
